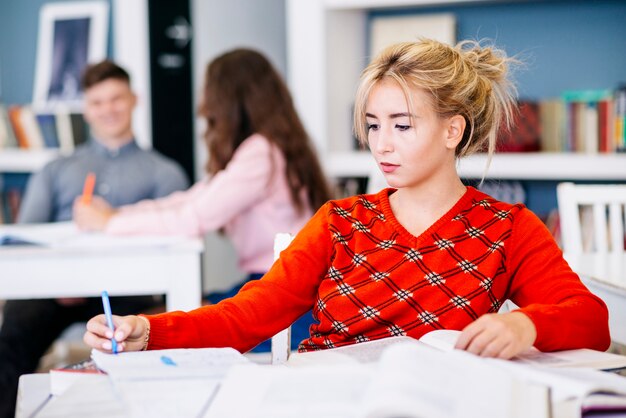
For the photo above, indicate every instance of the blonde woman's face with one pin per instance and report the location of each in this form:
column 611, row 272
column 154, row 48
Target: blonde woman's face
column 410, row 146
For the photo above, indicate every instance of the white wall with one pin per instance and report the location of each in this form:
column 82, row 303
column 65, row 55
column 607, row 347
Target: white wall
column 218, row 27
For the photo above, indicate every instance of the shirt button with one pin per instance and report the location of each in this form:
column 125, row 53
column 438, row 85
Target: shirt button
column 104, row 189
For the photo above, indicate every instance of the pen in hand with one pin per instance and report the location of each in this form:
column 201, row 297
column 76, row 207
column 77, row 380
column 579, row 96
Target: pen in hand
column 109, row 317
column 90, row 182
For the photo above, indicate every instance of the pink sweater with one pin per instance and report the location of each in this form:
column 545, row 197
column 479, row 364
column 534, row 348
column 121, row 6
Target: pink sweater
column 249, row 199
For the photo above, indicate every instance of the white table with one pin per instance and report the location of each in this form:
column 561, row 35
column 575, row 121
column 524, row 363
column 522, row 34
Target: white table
column 87, row 264
column 605, row 276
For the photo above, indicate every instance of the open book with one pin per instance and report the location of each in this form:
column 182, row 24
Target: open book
column 583, row 357
column 409, row 380
column 445, row 340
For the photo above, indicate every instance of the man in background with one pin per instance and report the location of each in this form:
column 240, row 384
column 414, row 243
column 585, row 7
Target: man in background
column 125, row 174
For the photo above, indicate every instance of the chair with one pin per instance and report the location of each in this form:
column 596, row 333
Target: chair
column 592, row 217
column 592, row 230
column 281, row 342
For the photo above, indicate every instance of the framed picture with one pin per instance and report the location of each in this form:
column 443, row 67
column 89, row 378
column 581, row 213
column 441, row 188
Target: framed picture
column 70, row 36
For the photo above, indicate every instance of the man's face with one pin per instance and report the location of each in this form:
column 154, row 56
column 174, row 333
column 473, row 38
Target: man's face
column 108, row 109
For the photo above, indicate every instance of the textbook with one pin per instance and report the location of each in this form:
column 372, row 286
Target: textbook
column 409, row 380
column 413, row 379
column 445, row 340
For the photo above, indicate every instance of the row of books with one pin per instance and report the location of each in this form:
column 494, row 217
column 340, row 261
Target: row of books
column 582, row 121
column 28, row 128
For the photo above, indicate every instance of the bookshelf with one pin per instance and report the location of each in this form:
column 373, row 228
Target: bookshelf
column 25, row 161
column 326, row 52
column 505, row 166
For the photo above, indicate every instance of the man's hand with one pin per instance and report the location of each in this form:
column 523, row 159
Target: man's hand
column 92, row 216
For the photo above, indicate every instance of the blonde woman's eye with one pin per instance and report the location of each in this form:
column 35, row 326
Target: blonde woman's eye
column 403, row 127
column 372, row 127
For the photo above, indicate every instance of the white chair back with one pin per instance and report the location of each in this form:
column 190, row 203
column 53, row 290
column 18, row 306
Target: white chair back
column 281, row 342
column 592, row 217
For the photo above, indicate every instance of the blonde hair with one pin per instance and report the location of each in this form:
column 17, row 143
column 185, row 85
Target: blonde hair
column 466, row 79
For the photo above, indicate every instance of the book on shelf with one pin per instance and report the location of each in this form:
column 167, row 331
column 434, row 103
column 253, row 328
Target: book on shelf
column 64, row 131
column 61, row 379
column 31, row 128
column 525, row 132
column 552, row 114
column 48, row 126
column 18, row 128
column 7, row 137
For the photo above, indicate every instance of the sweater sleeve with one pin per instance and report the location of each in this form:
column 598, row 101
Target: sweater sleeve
column 208, row 206
column 566, row 314
column 262, row 307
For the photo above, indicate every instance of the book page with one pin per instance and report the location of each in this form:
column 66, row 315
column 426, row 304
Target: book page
column 415, row 380
column 174, row 363
column 366, row 352
column 167, row 397
column 441, row 339
column 329, row 391
column 566, row 383
column 573, row 358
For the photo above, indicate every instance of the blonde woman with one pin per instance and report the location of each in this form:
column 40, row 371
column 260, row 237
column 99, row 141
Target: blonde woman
column 425, row 254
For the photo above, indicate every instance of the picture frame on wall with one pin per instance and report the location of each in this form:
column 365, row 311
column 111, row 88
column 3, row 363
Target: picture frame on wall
column 71, row 35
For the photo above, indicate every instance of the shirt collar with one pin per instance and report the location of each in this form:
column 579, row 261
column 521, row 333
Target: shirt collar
column 100, row 149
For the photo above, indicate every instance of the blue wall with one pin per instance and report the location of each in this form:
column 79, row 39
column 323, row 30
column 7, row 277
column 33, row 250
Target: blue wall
column 565, row 44
column 19, row 22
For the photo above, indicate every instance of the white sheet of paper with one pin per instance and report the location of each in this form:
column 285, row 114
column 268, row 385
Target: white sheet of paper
column 145, row 365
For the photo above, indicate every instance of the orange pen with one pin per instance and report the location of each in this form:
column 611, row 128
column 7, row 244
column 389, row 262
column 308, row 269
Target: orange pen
column 90, row 182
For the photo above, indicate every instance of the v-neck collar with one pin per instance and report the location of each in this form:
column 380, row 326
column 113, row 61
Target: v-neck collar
column 384, row 194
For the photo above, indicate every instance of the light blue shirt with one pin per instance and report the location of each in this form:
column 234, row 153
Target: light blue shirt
column 123, row 176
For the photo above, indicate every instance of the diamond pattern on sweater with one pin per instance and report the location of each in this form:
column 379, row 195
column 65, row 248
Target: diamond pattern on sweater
column 413, row 255
column 427, row 317
column 369, row 312
column 334, row 274
column 380, row 283
column 345, row 289
column 403, row 294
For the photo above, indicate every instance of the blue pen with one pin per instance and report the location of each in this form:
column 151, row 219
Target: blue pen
column 107, row 312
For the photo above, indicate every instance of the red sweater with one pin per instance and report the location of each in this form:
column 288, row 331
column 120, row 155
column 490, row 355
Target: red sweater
column 367, row 277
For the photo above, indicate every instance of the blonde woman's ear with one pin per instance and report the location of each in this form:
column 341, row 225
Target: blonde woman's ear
column 456, row 127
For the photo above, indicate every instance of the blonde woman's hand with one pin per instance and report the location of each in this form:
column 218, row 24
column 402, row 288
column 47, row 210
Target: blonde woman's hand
column 130, row 333
column 498, row 335
column 92, row 216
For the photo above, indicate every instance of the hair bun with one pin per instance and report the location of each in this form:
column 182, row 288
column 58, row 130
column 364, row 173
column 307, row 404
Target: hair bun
column 488, row 61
